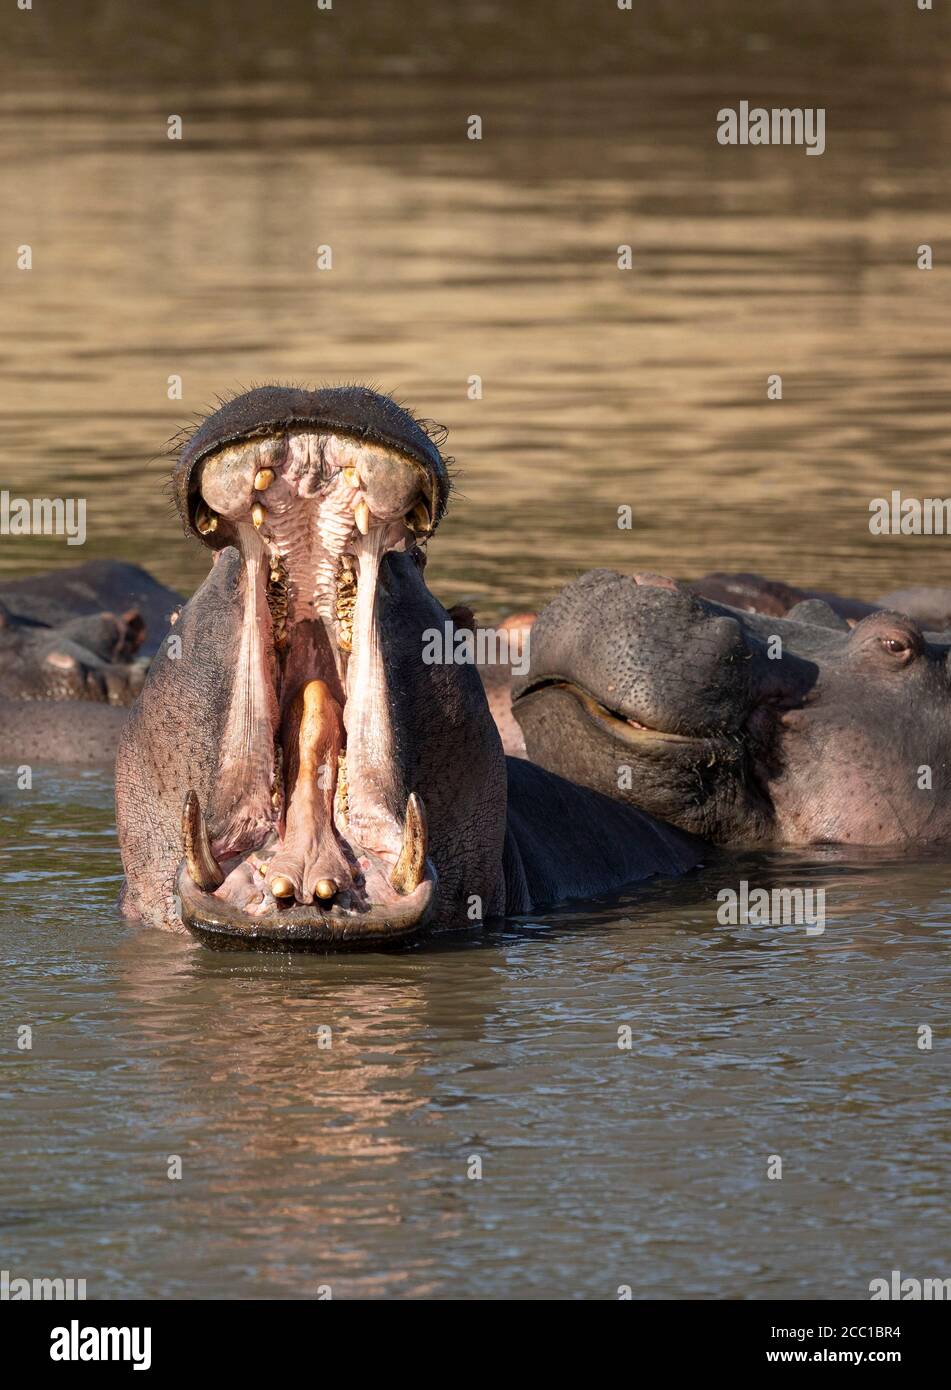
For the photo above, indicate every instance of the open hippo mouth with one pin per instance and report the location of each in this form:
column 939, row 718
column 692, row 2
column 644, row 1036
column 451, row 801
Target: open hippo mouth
column 310, row 837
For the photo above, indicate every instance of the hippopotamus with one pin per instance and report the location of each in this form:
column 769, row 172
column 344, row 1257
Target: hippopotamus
column 929, row 605
column 742, row 728
column 296, row 773
column 79, row 634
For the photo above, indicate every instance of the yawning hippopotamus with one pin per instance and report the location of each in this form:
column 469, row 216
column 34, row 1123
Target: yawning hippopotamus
column 742, row 728
column 294, row 772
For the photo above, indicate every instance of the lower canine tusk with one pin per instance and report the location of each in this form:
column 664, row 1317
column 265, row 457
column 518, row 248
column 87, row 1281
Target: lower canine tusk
column 411, row 865
column 203, row 867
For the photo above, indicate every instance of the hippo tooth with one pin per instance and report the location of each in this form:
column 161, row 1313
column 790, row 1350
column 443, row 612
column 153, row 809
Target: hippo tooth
column 325, row 888
column 203, row 867
column 257, row 515
column 361, row 515
column 205, row 520
column 281, row 886
column 420, row 520
column 411, row 865
column 263, row 479
column 351, row 477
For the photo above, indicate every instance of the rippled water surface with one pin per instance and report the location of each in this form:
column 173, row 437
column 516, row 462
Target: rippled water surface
column 304, row 1165
column 497, row 259
column 347, row 1166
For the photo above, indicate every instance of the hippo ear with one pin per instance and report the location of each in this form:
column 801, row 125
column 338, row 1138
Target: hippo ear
column 817, row 612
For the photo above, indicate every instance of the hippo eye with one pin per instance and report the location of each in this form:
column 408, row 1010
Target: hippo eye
column 897, row 645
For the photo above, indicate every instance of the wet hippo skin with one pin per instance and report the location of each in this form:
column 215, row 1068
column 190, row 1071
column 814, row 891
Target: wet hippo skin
column 298, row 775
column 744, row 728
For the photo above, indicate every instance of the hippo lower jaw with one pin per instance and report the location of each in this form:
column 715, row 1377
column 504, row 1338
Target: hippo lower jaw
column 309, row 838
column 220, row 925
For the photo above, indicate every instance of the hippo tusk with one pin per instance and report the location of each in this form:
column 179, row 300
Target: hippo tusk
column 203, row 867
column 411, row 865
column 420, row 520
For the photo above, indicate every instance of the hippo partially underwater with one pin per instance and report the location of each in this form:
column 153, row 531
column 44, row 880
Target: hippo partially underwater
column 294, row 773
column 83, row 634
column 743, row 728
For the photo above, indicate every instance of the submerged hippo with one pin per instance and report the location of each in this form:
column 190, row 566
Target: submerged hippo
column 742, row 728
column 929, row 605
column 82, row 634
column 296, row 774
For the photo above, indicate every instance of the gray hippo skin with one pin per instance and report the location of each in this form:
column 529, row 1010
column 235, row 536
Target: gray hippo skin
column 742, row 728
column 74, row 647
column 295, row 775
column 929, row 605
column 125, row 593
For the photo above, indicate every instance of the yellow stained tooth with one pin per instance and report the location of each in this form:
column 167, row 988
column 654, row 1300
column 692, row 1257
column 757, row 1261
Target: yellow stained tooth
column 281, row 886
column 419, row 519
column 351, row 476
column 257, row 515
column 325, row 888
column 263, row 479
column 361, row 514
column 205, row 520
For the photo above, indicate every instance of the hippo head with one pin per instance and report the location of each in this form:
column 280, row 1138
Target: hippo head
column 295, row 773
column 742, row 728
column 85, row 658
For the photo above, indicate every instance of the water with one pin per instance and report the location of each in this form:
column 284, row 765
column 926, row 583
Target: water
column 304, row 1166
